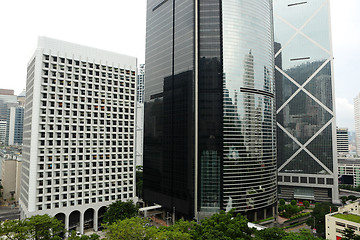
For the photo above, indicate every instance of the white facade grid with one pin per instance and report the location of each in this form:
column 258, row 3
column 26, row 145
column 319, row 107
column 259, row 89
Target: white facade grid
column 79, row 129
column 342, row 140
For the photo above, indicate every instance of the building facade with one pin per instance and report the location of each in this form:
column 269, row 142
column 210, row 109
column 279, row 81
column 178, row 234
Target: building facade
column 79, row 133
column 7, row 99
column 357, row 123
column 10, row 176
column 347, row 217
column 350, row 168
column 140, row 115
column 306, row 130
column 209, row 135
column 15, row 126
column 342, row 141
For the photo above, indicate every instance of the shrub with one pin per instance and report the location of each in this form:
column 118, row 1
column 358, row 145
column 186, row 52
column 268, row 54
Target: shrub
column 282, row 202
column 306, row 204
column 293, row 202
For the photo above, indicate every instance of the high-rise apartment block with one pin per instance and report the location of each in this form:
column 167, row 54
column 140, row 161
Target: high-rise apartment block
column 7, row 99
column 79, row 133
column 342, row 141
column 306, row 133
column 209, row 139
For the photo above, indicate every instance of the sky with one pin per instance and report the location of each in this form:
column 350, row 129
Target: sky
column 119, row 26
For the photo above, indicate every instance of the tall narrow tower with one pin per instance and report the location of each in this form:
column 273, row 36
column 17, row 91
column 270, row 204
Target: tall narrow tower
column 209, row 139
column 306, row 134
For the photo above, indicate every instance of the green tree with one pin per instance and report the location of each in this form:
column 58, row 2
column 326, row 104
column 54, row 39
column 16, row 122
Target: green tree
column 130, row 228
column 349, row 234
column 14, row 229
column 319, row 212
column 73, row 236
column 119, row 211
column 306, row 204
column 343, row 199
column 44, row 227
column 293, row 202
column 304, row 234
column 271, row 233
column 352, row 197
column 282, row 202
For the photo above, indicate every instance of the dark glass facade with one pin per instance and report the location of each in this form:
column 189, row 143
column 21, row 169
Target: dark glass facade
column 209, row 135
column 304, row 90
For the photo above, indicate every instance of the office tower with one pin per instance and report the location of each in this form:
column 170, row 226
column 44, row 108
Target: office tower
column 140, row 115
column 306, row 130
column 7, row 99
column 342, row 141
column 2, row 131
column 79, row 133
column 15, row 126
column 209, row 130
column 357, row 123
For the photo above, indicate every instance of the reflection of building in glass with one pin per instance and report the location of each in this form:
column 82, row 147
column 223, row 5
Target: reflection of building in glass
column 209, row 139
column 342, row 141
column 307, row 167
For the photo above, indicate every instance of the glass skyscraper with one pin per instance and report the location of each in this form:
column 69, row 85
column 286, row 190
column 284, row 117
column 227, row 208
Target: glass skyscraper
column 209, row 134
column 306, row 130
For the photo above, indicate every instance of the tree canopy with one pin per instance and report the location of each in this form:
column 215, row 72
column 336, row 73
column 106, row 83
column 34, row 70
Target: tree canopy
column 120, row 210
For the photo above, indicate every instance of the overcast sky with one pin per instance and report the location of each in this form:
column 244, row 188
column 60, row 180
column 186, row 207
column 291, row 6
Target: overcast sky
column 119, row 26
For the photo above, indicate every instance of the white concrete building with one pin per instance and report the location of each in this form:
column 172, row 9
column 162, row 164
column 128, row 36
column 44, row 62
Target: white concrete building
column 2, row 131
column 79, row 133
column 346, row 217
column 140, row 115
column 10, row 177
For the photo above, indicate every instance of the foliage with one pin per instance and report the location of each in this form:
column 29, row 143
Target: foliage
column 293, row 202
column 35, row 227
column 270, row 233
column 349, row 234
column 131, row 228
column 139, row 181
column 352, row 198
column 73, row 236
column 306, row 204
column 282, row 202
column 318, row 216
column 344, row 199
column 119, row 211
column 300, row 215
column 289, row 210
column 349, row 187
column 304, row 234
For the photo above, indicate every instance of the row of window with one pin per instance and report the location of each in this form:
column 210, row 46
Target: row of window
column 312, row 180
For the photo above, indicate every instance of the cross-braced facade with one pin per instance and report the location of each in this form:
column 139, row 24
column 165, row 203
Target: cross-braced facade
column 307, row 167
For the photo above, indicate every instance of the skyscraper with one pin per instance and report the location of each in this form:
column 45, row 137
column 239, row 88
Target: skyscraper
column 342, row 141
column 79, row 133
column 209, row 139
column 306, row 133
column 15, row 126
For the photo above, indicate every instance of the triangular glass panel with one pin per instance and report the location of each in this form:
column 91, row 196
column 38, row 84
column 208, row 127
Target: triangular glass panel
column 303, row 117
column 282, row 33
column 296, row 12
column 286, row 147
column 301, row 58
column 284, row 89
column 321, row 86
column 322, row 147
column 318, row 28
column 303, row 163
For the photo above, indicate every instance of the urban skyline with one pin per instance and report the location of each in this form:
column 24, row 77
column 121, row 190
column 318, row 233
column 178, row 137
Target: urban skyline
column 345, row 19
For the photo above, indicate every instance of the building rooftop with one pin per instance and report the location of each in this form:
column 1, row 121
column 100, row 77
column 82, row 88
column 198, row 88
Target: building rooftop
column 348, row 217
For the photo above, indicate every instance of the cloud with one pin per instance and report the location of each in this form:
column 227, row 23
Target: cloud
column 345, row 113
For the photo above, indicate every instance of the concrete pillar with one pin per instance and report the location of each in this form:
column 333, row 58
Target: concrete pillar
column 95, row 221
column 67, row 220
column 255, row 216
column 265, row 213
column 82, row 215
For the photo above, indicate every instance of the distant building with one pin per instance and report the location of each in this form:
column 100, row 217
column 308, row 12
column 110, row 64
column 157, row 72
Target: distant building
column 357, row 122
column 2, row 131
column 349, row 167
column 347, row 216
column 140, row 115
column 10, row 176
column 306, row 124
column 342, row 141
column 79, row 133
column 7, row 99
column 15, row 126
